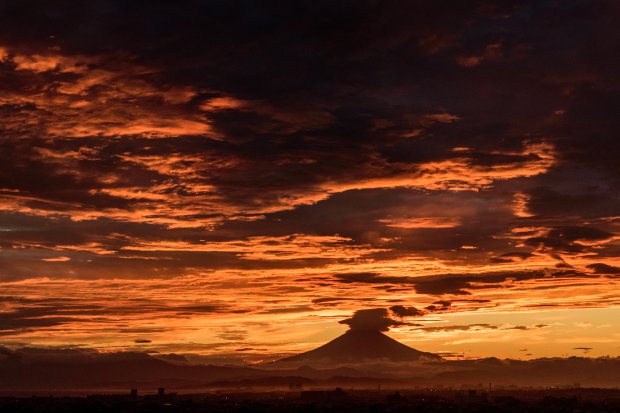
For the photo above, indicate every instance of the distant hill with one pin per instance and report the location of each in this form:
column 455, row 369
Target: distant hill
column 356, row 346
column 72, row 370
column 346, row 359
column 123, row 370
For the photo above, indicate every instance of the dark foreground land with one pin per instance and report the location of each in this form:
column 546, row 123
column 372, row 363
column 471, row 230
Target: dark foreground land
column 358, row 401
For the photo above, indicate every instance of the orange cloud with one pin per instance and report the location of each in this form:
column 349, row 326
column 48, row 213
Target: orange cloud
column 422, row 222
column 96, row 101
column 296, row 246
column 56, row 259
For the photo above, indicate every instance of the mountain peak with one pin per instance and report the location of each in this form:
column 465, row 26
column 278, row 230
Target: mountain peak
column 358, row 345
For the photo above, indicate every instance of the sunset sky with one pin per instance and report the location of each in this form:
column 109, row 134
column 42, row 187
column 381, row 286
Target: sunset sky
column 230, row 179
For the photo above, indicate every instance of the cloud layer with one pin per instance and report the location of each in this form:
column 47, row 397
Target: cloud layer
column 221, row 162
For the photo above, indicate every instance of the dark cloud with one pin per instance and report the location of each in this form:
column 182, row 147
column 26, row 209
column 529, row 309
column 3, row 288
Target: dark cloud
column 284, row 310
column 460, row 327
column 230, row 334
column 580, row 233
column 24, row 314
column 479, row 326
column 334, row 101
column 456, row 284
column 334, row 301
column 516, row 254
column 402, row 311
column 371, row 319
column 594, row 202
column 601, row 268
column 438, row 306
column 563, row 239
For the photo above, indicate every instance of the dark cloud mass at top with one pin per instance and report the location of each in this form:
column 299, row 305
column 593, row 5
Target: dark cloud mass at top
column 437, row 148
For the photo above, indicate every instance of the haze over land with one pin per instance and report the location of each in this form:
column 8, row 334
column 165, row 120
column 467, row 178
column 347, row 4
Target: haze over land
column 359, row 359
column 239, row 182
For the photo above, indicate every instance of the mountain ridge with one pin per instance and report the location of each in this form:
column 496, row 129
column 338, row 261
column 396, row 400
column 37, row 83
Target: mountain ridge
column 358, row 345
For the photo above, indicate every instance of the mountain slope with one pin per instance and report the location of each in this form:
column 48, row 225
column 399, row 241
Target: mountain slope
column 362, row 345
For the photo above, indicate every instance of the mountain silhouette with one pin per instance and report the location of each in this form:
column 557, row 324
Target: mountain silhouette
column 357, row 345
